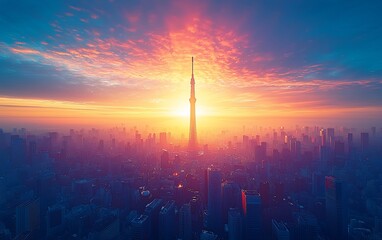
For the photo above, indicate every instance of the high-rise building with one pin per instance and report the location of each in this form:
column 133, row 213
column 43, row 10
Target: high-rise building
column 196, row 214
column 364, row 141
column 245, row 141
column 265, row 195
column 261, row 152
column 28, row 217
column 231, row 198
column 206, row 235
column 18, row 149
column 164, row 160
column 292, row 146
column 373, row 131
column 318, row 184
column 252, row 211
column 339, row 149
column 235, row 224
column 350, row 139
column 32, row 150
column 298, row 150
column 192, row 144
column 336, row 208
column 280, row 230
column 307, row 226
column 323, row 137
column 163, row 139
column 140, row 229
column 214, row 200
column 82, row 190
column 324, row 154
column 350, row 145
column 152, row 211
column 167, row 221
column 54, row 219
column 106, row 228
column 331, row 136
column 185, row 228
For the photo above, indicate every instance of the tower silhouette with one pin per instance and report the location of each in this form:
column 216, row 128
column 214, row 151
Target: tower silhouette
column 192, row 144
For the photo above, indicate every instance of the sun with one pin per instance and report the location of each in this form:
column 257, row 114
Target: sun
column 184, row 111
column 181, row 111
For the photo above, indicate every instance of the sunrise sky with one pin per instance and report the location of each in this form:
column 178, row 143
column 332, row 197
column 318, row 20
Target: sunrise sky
column 91, row 60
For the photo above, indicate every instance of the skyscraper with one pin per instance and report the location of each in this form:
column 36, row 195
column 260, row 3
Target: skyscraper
column 152, row 211
column 164, row 160
column 251, row 204
column 364, row 141
column 235, row 224
column 214, row 200
column 54, row 219
column 280, row 230
column 185, row 228
column 28, row 217
column 163, row 139
column 206, row 235
column 140, row 229
column 350, row 139
column 18, row 149
column 231, row 198
column 336, row 208
column 167, row 221
column 330, row 132
column 192, row 144
column 323, row 137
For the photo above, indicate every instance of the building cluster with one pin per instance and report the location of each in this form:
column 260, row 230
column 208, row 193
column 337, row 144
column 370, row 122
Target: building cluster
column 120, row 183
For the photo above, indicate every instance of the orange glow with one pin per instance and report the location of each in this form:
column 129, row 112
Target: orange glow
column 64, row 112
column 147, row 76
column 220, row 90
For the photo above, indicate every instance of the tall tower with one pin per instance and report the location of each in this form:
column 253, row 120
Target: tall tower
column 192, row 144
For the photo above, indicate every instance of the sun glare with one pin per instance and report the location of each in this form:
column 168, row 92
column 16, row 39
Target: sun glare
column 184, row 111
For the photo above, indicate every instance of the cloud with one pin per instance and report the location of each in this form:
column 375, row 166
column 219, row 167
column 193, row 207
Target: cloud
column 249, row 54
column 35, row 80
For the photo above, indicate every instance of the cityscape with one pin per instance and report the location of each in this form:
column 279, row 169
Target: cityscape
column 190, row 120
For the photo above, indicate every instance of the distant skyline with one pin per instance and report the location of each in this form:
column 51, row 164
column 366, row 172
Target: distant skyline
column 86, row 60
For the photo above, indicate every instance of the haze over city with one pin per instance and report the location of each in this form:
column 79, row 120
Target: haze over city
column 190, row 120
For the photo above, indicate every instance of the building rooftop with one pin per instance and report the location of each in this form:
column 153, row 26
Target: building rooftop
column 166, row 208
column 139, row 220
column 280, row 226
column 153, row 205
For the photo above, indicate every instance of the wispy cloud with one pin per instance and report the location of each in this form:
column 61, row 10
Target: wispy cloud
column 132, row 53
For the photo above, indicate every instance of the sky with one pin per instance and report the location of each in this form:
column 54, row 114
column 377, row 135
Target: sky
column 88, row 60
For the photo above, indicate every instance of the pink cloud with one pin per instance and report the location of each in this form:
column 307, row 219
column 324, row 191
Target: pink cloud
column 155, row 59
column 76, row 8
column 24, row 51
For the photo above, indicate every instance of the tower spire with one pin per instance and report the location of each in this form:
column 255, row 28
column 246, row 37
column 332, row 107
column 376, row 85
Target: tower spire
column 192, row 144
column 192, row 66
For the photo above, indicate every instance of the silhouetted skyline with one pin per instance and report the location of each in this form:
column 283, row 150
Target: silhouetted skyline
column 129, row 183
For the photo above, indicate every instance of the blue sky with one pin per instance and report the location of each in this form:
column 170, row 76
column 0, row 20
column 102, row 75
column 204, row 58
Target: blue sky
column 289, row 56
